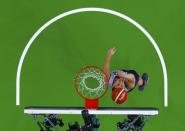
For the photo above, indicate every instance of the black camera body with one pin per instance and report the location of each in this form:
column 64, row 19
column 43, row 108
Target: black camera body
column 132, row 123
column 49, row 122
column 91, row 123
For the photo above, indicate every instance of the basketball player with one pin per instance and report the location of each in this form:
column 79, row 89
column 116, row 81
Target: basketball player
column 122, row 78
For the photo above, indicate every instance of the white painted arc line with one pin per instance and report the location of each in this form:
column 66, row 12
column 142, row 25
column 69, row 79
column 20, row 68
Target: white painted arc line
column 91, row 10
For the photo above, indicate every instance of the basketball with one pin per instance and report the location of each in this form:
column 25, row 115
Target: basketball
column 119, row 95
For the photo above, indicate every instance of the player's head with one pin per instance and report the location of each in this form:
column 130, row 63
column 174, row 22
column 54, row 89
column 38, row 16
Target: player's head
column 115, row 80
column 112, row 79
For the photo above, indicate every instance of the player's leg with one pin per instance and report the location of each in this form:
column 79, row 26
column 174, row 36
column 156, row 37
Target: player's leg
column 143, row 80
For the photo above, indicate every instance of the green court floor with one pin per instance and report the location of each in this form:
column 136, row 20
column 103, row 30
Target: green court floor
column 48, row 72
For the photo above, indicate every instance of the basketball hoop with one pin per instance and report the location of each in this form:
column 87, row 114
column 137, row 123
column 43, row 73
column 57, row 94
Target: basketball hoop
column 91, row 93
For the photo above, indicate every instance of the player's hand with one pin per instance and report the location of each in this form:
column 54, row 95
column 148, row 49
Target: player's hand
column 121, row 74
column 112, row 51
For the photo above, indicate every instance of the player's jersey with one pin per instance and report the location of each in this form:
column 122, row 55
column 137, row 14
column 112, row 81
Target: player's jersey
column 113, row 75
column 136, row 75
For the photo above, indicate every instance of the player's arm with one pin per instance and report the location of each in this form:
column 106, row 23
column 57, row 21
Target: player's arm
column 109, row 55
column 130, row 78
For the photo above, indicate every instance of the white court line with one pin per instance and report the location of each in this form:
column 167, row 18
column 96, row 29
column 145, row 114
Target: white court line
column 108, row 11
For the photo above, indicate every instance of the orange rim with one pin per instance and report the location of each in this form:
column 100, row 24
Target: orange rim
column 76, row 85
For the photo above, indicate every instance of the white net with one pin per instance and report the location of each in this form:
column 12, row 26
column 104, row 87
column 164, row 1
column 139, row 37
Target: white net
column 91, row 91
